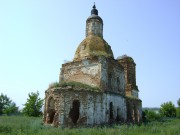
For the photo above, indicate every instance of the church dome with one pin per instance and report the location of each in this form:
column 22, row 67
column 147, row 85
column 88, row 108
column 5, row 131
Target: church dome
column 125, row 58
column 93, row 46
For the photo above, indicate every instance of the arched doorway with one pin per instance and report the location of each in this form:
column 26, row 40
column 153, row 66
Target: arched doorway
column 111, row 111
column 129, row 112
column 74, row 111
column 135, row 113
column 51, row 110
column 118, row 115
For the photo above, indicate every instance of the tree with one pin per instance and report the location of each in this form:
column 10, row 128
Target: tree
column 178, row 109
column 7, row 106
column 178, row 102
column 4, row 101
column 33, row 105
column 11, row 109
column 168, row 109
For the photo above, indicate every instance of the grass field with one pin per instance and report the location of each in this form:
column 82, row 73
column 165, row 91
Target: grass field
column 19, row 125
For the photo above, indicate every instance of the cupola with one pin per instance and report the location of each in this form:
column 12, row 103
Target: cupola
column 94, row 24
column 93, row 45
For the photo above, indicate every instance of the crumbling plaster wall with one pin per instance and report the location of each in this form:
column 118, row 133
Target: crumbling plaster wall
column 51, row 94
column 95, row 72
column 130, row 74
column 85, row 71
column 110, row 67
column 94, row 27
column 94, row 106
column 134, row 109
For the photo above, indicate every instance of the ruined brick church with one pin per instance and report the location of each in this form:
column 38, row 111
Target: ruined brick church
column 95, row 88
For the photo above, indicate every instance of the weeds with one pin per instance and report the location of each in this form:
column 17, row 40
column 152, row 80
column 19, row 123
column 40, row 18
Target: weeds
column 20, row 125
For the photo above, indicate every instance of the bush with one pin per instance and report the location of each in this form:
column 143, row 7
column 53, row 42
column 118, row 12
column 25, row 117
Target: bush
column 5, row 129
column 150, row 115
column 168, row 109
column 54, row 85
column 178, row 112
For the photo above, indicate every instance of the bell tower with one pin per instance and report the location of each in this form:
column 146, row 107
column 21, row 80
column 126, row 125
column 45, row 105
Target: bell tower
column 94, row 24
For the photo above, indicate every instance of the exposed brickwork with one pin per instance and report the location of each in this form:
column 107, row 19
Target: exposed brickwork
column 111, row 93
column 94, row 27
column 130, row 74
column 134, row 109
column 96, row 72
column 94, row 106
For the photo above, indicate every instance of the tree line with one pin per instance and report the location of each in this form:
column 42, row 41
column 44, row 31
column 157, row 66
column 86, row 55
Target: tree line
column 32, row 107
column 167, row 109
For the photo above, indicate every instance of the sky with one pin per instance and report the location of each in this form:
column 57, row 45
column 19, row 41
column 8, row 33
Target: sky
column 38, row 36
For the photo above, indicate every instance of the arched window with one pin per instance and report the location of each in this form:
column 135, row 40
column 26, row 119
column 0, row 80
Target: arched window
column 51, row 103
column 118, row 84
column 110, row 82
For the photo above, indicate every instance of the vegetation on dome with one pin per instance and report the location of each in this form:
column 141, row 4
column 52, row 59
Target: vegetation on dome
column 93, row 46
column 129, row 59
column 100, row 53
column 76, row 85
column 125, row 57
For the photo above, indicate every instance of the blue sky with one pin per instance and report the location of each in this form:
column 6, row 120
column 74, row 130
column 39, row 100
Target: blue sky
column 36, row 37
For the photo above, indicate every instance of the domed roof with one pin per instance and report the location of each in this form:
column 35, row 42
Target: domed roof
column 125, row 57
column 93, row 46
column 122, row 57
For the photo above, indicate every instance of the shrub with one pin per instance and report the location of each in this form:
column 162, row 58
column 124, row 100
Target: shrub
column 150, row 115
column 168, row 109
column 54, row 85
column 5, row 129
column 178, row 112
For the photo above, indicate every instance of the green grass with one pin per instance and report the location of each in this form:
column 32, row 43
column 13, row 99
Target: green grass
column 19, row 125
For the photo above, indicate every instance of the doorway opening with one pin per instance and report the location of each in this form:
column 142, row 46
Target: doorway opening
column 118, row 116
column 74, row 111
column 51, row 111
column 111, row 110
